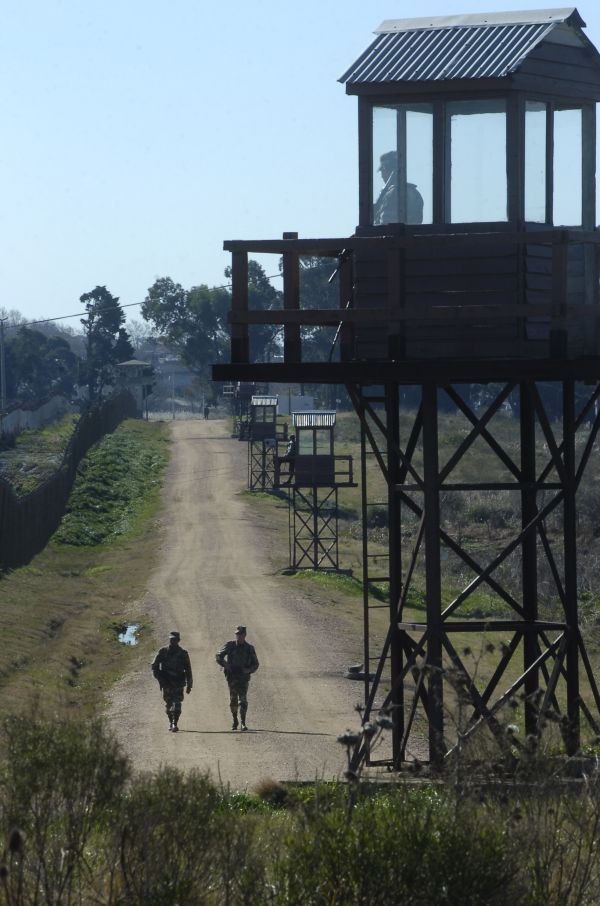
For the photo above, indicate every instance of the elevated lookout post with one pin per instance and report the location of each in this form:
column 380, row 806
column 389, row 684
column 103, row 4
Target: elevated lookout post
column 239, row 394
column 471, row 281
column 317, row 474
column 262, row 442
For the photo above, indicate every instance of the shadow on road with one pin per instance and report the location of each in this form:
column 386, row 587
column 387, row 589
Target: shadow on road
column 251, row 730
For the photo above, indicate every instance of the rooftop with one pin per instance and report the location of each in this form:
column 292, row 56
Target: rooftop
column 485, row 45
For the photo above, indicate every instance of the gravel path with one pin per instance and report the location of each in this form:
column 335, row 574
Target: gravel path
column 213, row 572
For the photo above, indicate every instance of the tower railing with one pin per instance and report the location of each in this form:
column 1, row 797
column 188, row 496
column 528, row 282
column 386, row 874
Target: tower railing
column 546, row 287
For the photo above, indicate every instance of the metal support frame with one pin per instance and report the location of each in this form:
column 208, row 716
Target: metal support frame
column 420, row 670
column 261, row 465
column 240, row 417
column 314, row 528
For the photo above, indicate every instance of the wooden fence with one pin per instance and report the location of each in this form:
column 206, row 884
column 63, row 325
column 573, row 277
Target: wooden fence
column 28, row 522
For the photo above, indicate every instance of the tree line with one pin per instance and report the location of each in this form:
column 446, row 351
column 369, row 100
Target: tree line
column 193, row 324
column 194, row 321
column 41, row 362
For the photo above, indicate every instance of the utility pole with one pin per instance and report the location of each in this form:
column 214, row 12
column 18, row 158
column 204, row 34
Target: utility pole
column 2, row 369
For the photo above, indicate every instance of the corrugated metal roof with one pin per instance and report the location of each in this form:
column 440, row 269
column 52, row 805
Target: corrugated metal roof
column 517, row 17
column 264, row 400
column 315, row 419
column 461, row 47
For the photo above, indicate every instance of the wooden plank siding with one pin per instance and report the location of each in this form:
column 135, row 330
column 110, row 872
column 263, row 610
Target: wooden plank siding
column 526, row 294
column 538, row 287
column 560, row 70
column 314, row 471
column 433, row 279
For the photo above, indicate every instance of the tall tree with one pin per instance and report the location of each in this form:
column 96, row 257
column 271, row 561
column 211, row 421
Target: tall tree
column 107, row 341
column 265, row 340
column 192, row 322
column 12, row 317
column 37, row 364
column 319, row 289
column 140, row 335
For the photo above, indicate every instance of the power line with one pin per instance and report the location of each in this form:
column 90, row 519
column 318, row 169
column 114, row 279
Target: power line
column 76, row 315
column 105, row 308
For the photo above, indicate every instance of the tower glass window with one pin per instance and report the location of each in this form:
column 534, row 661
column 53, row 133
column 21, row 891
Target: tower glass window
column 305, row 443
column 476, row 131
column 323, row 441
column 536, row 118
column 568, row 165
column 402, row 178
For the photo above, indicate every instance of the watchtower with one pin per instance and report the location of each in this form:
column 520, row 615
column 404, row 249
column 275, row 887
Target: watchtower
column 262, row 442
column 314, row 476
column 139, row 378
column 472, row 279
column 239, row 394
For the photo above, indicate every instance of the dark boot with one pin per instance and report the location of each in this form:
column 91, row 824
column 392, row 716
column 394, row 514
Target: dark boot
column 174, row 726
column 234, row 725
column 243, row 711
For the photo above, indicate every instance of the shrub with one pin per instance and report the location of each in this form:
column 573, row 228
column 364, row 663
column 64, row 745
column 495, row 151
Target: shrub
column 74, row 832
column 59, row 782
column 403, row 847
column 178, row 846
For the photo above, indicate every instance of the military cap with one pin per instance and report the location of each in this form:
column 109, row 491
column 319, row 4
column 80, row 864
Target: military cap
column 174, row 635
column 390, row 159
column 240, row 630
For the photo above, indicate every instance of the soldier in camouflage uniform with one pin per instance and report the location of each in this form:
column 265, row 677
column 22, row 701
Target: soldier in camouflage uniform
column 385, row 209
column 172, row 668
column 239, row 661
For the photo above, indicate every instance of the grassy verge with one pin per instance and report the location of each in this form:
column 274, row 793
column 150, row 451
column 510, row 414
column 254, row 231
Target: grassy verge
column 116, row 483
column 36, row 454
column 61, row 614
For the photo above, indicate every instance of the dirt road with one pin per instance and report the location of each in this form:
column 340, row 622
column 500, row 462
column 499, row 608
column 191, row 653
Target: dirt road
column 213, row 572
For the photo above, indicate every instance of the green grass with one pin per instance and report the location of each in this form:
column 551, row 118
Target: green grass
column 61, row 613
column 115, row 483
column 328, row 581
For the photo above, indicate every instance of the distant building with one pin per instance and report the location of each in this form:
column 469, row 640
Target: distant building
column 137, row 377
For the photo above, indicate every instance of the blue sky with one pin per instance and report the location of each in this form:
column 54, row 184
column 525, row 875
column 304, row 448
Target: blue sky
column 137, row 136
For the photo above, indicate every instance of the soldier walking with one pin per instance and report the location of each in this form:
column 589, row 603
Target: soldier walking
column 172, row 668
column 238, row 660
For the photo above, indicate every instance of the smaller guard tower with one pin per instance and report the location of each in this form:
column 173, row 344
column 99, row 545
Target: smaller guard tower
column 262, row 442
column 317, row 475
column 138, row 377
column 240, row 394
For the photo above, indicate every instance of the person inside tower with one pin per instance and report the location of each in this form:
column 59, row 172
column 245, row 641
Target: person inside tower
column 290, row 458
column 387, row 207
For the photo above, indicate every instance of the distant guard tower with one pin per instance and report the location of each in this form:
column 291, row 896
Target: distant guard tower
column 139, row 378
column 239, row 394
column 262, row 442
column 314, row 483
column 472, row 278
